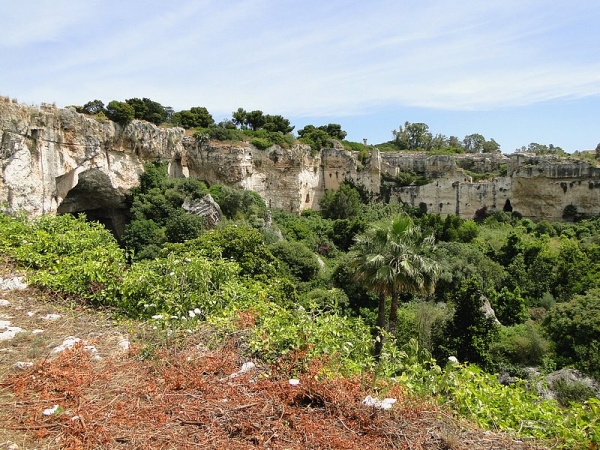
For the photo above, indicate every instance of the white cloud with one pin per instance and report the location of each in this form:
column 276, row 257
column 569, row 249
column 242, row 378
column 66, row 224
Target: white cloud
column 311, row 58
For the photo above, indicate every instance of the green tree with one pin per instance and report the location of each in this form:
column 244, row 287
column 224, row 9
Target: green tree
column 297, row 257
column 510, row 307
column 93, row 107
column 182, row 226
column 148, row 110
column 345, row 203
column 388, row 260
column 195, row 117
column 120, row 112
column 413, row 136
column 473, row 143
column 240, row 118
column 470, row 333
column 255, row 119
column 277, row 124
column 575, row 329
column 491, row 146
column 238, row 243
column 334, row 130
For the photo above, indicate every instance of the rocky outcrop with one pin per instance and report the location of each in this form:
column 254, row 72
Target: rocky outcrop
column 58, row 161
column 205, row 207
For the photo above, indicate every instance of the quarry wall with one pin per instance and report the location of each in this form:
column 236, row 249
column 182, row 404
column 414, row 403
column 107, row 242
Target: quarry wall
column 58, row 161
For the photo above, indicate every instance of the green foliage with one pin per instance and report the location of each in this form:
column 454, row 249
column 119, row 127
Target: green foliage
column 316, row 138
column 575, row 329
column 228, row 272
column 144, row 237
column 300, row 261
column 177, row 284
column 470, row 333
column 459, row 262
column 182, row 226
column 345, row 340
column 120, row 112
column 241, row 244
column 261, row 144
column 69, row 255
column 220, row 133
column 238, row 203
column 195, row 117
column 345, row 203
column 319, row 137
column 344, row 231
column 148, row 110
column 388, row 260
column 523, row 345
column 93, row 107
column 509, row 306
column 569, row 392
column 478, row 396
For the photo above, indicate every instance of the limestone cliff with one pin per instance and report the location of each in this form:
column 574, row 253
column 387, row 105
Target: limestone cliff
column 56, row 161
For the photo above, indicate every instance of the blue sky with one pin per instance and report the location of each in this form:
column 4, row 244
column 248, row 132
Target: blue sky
column 518, row 71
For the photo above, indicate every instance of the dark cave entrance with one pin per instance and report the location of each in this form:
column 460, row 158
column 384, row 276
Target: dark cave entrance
column 94, row 196
column 507, row 206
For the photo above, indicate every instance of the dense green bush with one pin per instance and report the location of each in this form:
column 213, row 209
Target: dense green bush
column 575, row 328
column 300, row 261
column 70, row 256
column 522, row 345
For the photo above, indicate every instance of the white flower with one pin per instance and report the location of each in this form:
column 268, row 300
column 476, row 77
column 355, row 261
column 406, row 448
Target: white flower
column 157, row 316
column 192, row 314
column 453, row 359
column 172, row 273
column 198, row 311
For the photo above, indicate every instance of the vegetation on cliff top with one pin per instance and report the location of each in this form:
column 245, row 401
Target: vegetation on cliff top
column 264, row 130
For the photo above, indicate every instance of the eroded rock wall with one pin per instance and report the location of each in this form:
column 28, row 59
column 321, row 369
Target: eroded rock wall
column 56, row 160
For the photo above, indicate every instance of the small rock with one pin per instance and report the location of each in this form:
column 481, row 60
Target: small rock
column 10, row 333
column 10, row 284
column 124, row 345
column 245, row 368
column 294, row 382
column 4, row 302
column 51, row 317
column 22, row 365
column 386, row 403
column 68, row 343
column 37, row 331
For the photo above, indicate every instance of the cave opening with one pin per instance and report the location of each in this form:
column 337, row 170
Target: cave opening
column 94, row 196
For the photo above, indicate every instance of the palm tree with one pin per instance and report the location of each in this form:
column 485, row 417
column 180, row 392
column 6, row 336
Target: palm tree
column 388, row 259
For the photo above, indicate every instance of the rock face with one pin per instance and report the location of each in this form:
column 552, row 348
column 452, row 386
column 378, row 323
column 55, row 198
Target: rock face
column 58, row 161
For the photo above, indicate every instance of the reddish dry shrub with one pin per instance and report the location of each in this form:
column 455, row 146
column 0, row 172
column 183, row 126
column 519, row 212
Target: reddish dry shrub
column 185, row 399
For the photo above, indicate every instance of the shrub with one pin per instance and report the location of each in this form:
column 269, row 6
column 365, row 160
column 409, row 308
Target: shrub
column 522, row 345
column 300, row 261
column 568, row 392
column 261, row 144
